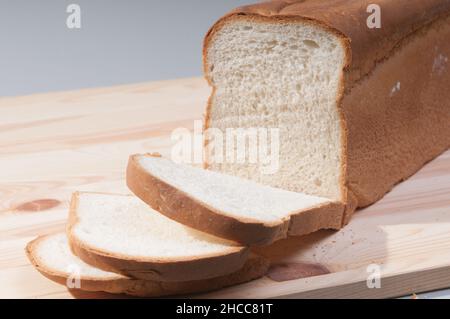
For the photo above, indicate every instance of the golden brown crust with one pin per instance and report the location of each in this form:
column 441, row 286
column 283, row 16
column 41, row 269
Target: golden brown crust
column 385, row 139
column 179, row 206
column 398, row 117
column 326, row 216
column 161, row 269
column 254, row 268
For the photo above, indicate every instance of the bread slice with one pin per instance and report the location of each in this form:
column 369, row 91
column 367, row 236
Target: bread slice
column 227, row 206
column 122, row 234
column 52, row 257
column 356, row 105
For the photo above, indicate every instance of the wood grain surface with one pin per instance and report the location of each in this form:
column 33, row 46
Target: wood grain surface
column 54, row 144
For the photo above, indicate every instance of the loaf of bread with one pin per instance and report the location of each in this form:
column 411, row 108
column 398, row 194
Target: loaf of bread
column 360, row 106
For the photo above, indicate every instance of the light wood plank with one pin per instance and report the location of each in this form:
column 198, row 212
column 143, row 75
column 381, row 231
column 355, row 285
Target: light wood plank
column 54, row 144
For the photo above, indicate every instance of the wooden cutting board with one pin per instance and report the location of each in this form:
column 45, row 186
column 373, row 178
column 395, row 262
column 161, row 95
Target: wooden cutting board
column 54, row 144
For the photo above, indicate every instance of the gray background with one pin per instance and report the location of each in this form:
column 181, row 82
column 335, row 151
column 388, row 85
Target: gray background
column 119, row 42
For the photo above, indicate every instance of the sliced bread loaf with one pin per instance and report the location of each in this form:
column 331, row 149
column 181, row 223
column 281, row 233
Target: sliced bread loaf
column 358, row 90
column 124, row 235
column 52, row 257
column 227, row 206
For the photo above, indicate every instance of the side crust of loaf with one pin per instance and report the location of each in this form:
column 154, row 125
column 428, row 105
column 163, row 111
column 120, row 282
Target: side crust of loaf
column 406, row 104
column 254, row 268
column 170, row 201
column 327, row 216
column 161, row 269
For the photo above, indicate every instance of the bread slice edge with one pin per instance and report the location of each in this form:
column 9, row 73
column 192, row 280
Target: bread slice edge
column 161, row 269
column 169, row 200
column 255, row 267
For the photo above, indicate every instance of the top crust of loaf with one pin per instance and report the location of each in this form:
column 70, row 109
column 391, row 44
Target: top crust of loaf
column 349, row 18
column 160, row 268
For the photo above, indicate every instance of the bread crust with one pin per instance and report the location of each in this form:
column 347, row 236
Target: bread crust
column 400, row 19
column 159, row 269
column 180, row 207
column 366, row 179
column 398, row 118
column 254, row 268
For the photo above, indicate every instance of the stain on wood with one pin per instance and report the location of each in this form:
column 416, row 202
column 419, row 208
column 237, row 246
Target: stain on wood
column 38, row 205
column 291, row 271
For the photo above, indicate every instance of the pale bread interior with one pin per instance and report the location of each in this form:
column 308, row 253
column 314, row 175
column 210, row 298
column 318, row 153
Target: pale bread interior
column 125, row 226
column 229, row 195
column 53, row 253
column 282, row 75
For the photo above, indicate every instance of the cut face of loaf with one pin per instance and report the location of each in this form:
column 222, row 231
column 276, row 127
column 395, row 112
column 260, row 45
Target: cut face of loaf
column 284, row 76
column 226, row 206
column 121, row 234
column 358, row 108
column 52, row 257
